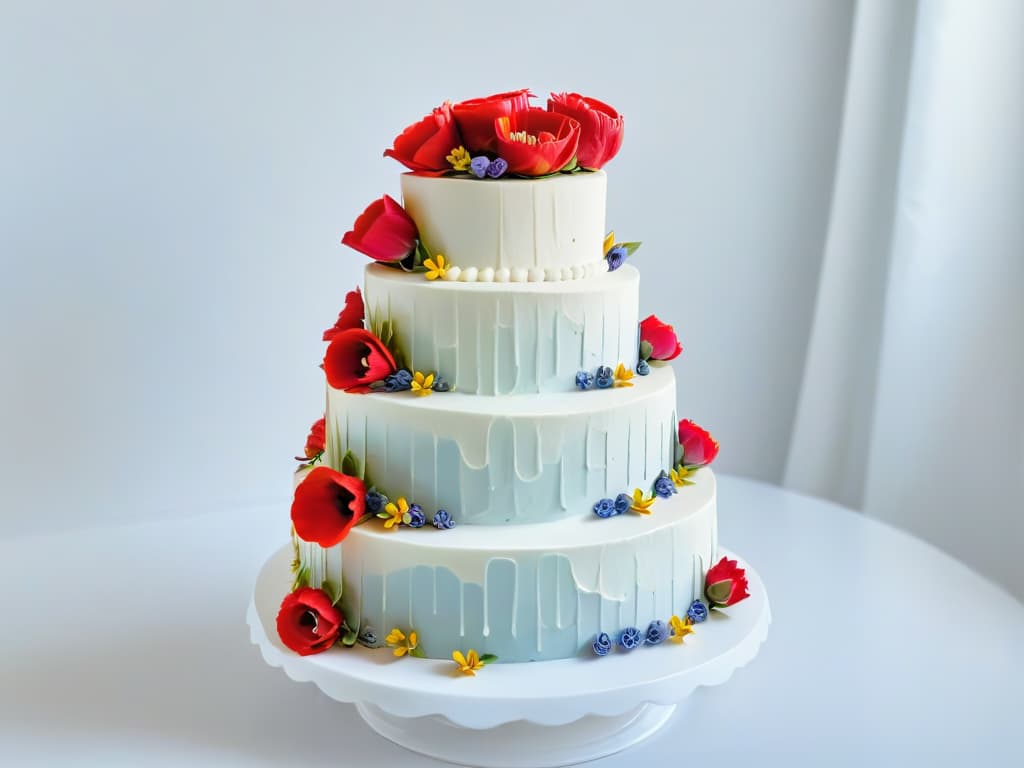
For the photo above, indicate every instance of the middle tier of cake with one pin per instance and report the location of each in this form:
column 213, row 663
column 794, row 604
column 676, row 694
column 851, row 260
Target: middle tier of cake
column 516, row 459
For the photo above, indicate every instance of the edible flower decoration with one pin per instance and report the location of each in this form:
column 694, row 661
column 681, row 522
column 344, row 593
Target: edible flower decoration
column 630, row 638
column 475, row 118
column 436, row 267
column 459, row 159
column 600, row 127
column 423, row 146
column 642, row 503
column 680, row 628
column 623, row 376
column 421, row 384
column 308, row 622
column 315, row 443
column 605, row 378
column 658, row 340
column 697, row 448
column 471, row 663
column 617, row 253
column 394, row 512
column 351, row 316
column 355, row 359
column 403, row 644
column 725, row 584
column 384, row 232
column 536, row 143
column 327, row 504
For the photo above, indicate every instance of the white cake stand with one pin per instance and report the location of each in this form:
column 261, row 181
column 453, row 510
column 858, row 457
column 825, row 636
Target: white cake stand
column 534, row 715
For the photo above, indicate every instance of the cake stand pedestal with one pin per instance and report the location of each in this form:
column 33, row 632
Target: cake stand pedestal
column 533, row 715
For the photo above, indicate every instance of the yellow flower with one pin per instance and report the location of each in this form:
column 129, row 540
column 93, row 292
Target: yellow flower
column 436, row 267
column 459, row 158
column 609, row 242
column 396, row 512
column 680, row 628
column 421, row 384
column 623, row 376
column 396, row 639
column 640, row 503
column 469, row 664
column 679, row 475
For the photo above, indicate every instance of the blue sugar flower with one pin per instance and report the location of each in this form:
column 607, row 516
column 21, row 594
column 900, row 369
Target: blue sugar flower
column 375, row 502
column 697, row 612
column 479, row 165
column 368, row 638
column 622, row 503
column 414, row 517
column 399, row 381
column 585, row 380
column 630, row 638
column 605, row 508
column 440, row 385
column 615, row 257
column 443, row 520
column 497, row 167
column 605, row 377
column 657, row 632
column 664, row 487
column 602, row 644
column 643, row 368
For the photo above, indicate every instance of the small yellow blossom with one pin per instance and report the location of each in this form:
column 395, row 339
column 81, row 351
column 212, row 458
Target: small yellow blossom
column 436, row 267
column 623, row 376
column 609, row 242
column 421, row 384
column 469, row 664
column 396, row 639
column 680, row 628
column 679, row 475
column 459, row 158
column 396, row 512
column 641, row 503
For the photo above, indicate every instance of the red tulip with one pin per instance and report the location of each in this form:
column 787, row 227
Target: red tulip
column 316, row 442
column 600, row 127
column 699, row 447
column 383, row 231
column 423, row 146
column 307, row 622
column 662, row 338
column 355, row 359
column 475, row 117
column 326, row 506
column 536, row 142
column 350, row 317
column 726, row 583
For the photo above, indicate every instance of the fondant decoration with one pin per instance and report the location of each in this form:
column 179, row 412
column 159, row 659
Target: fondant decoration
column 680, row 628
column 471, row 663
column 475, row 117
column 355, row 359
column 657, row 632
column 352, row 316
column 414, row 517
column 496, row 168
column 443, row 520
column 604, row 508
column 623, row 376
column 604, row 378
column 679, row 475
column 664, row 487
column 422, row 384
column 601, row 127
column 536, row 142
column 584, row 380
column 384, row 231
column 436, row 267
column 375, row 501
column 630, row 638
column 308, row 621
column 315, row 443
column 602, row 644
column 403, row 644
column 423, row 146
column 327, row 504
column 642, row 368
column 642, row 503
column 394, row 513
column 697, row 447
column 697, row 612
column 658, row 340
column 615, row 254
column 725, row 584
column 459, row 159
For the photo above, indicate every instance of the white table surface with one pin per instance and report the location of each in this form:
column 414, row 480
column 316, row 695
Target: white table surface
column 128, row 646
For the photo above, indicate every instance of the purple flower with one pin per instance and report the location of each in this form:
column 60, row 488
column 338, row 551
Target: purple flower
column 497, row 168
column 605, row 377
column 643, row 368
column 622, row 503
column 414, row 518
column 697, row 612
column 604, row 508
column 630, row 638
column 657, row 632
column 479, row 165
column 375, row 501
column 615, row 257
column 585, row 380
column 443, row 520
column 664, row 487
column 602, row 644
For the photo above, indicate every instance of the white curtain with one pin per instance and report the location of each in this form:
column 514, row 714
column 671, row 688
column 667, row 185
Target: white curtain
column 912, row 400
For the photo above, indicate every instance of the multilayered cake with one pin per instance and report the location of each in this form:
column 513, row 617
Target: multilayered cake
column 500, row 473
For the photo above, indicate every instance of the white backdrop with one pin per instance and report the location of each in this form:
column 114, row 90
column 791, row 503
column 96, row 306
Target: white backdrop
column 175, row 177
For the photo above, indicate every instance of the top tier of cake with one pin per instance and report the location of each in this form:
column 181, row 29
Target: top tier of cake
column 511, row 230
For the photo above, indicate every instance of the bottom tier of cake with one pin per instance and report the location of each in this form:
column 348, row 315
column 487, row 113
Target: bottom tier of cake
column 524, row 592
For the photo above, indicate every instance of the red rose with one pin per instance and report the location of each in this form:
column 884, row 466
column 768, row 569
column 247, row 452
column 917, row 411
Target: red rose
column 535, row 142
column 475, row 118
column 383, row 231
column 355, row 359
column 600, row 127
column 350, row 317
column 699, row 447
column 662, row 338
column 326, row 506
column 315, row 443
column 307, row 623
column 726, row 583
column 423, row 146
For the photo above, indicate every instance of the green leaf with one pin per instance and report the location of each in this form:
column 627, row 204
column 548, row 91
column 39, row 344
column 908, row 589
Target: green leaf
column 366, row 516
column 572, row 166
column 422, row 252
column 679, row 453
column 383, row 515
column 418, row 653
column 646, row 350
column 630, row 247
column 349, row 638
column 333, row 590
column 350, row 465
column 301, row 578
column 488, row 658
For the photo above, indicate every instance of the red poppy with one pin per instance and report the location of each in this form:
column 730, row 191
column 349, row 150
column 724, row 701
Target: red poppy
column 600, row 127
column 307, row 622
column 699, row 447
column 383, row 231
column 475, row 117
column 423, row 146
column 315, row 443
column 350, row 317
column 326, row 506
column 355, row 359
column 536, row 142
column 662, row 338
column 726, row 583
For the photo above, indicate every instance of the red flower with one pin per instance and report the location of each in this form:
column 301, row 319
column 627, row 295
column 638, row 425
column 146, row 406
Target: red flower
column 327, row 504
column 423, row 146
column 662, row 338
column 475, row 117
column 600, row 127
column 316, row 441
column 726, row 583
column 355, row 359
column 307, row 623
column 350, row 317
column 383, row 231
column 699, row 447
column 535, row 142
